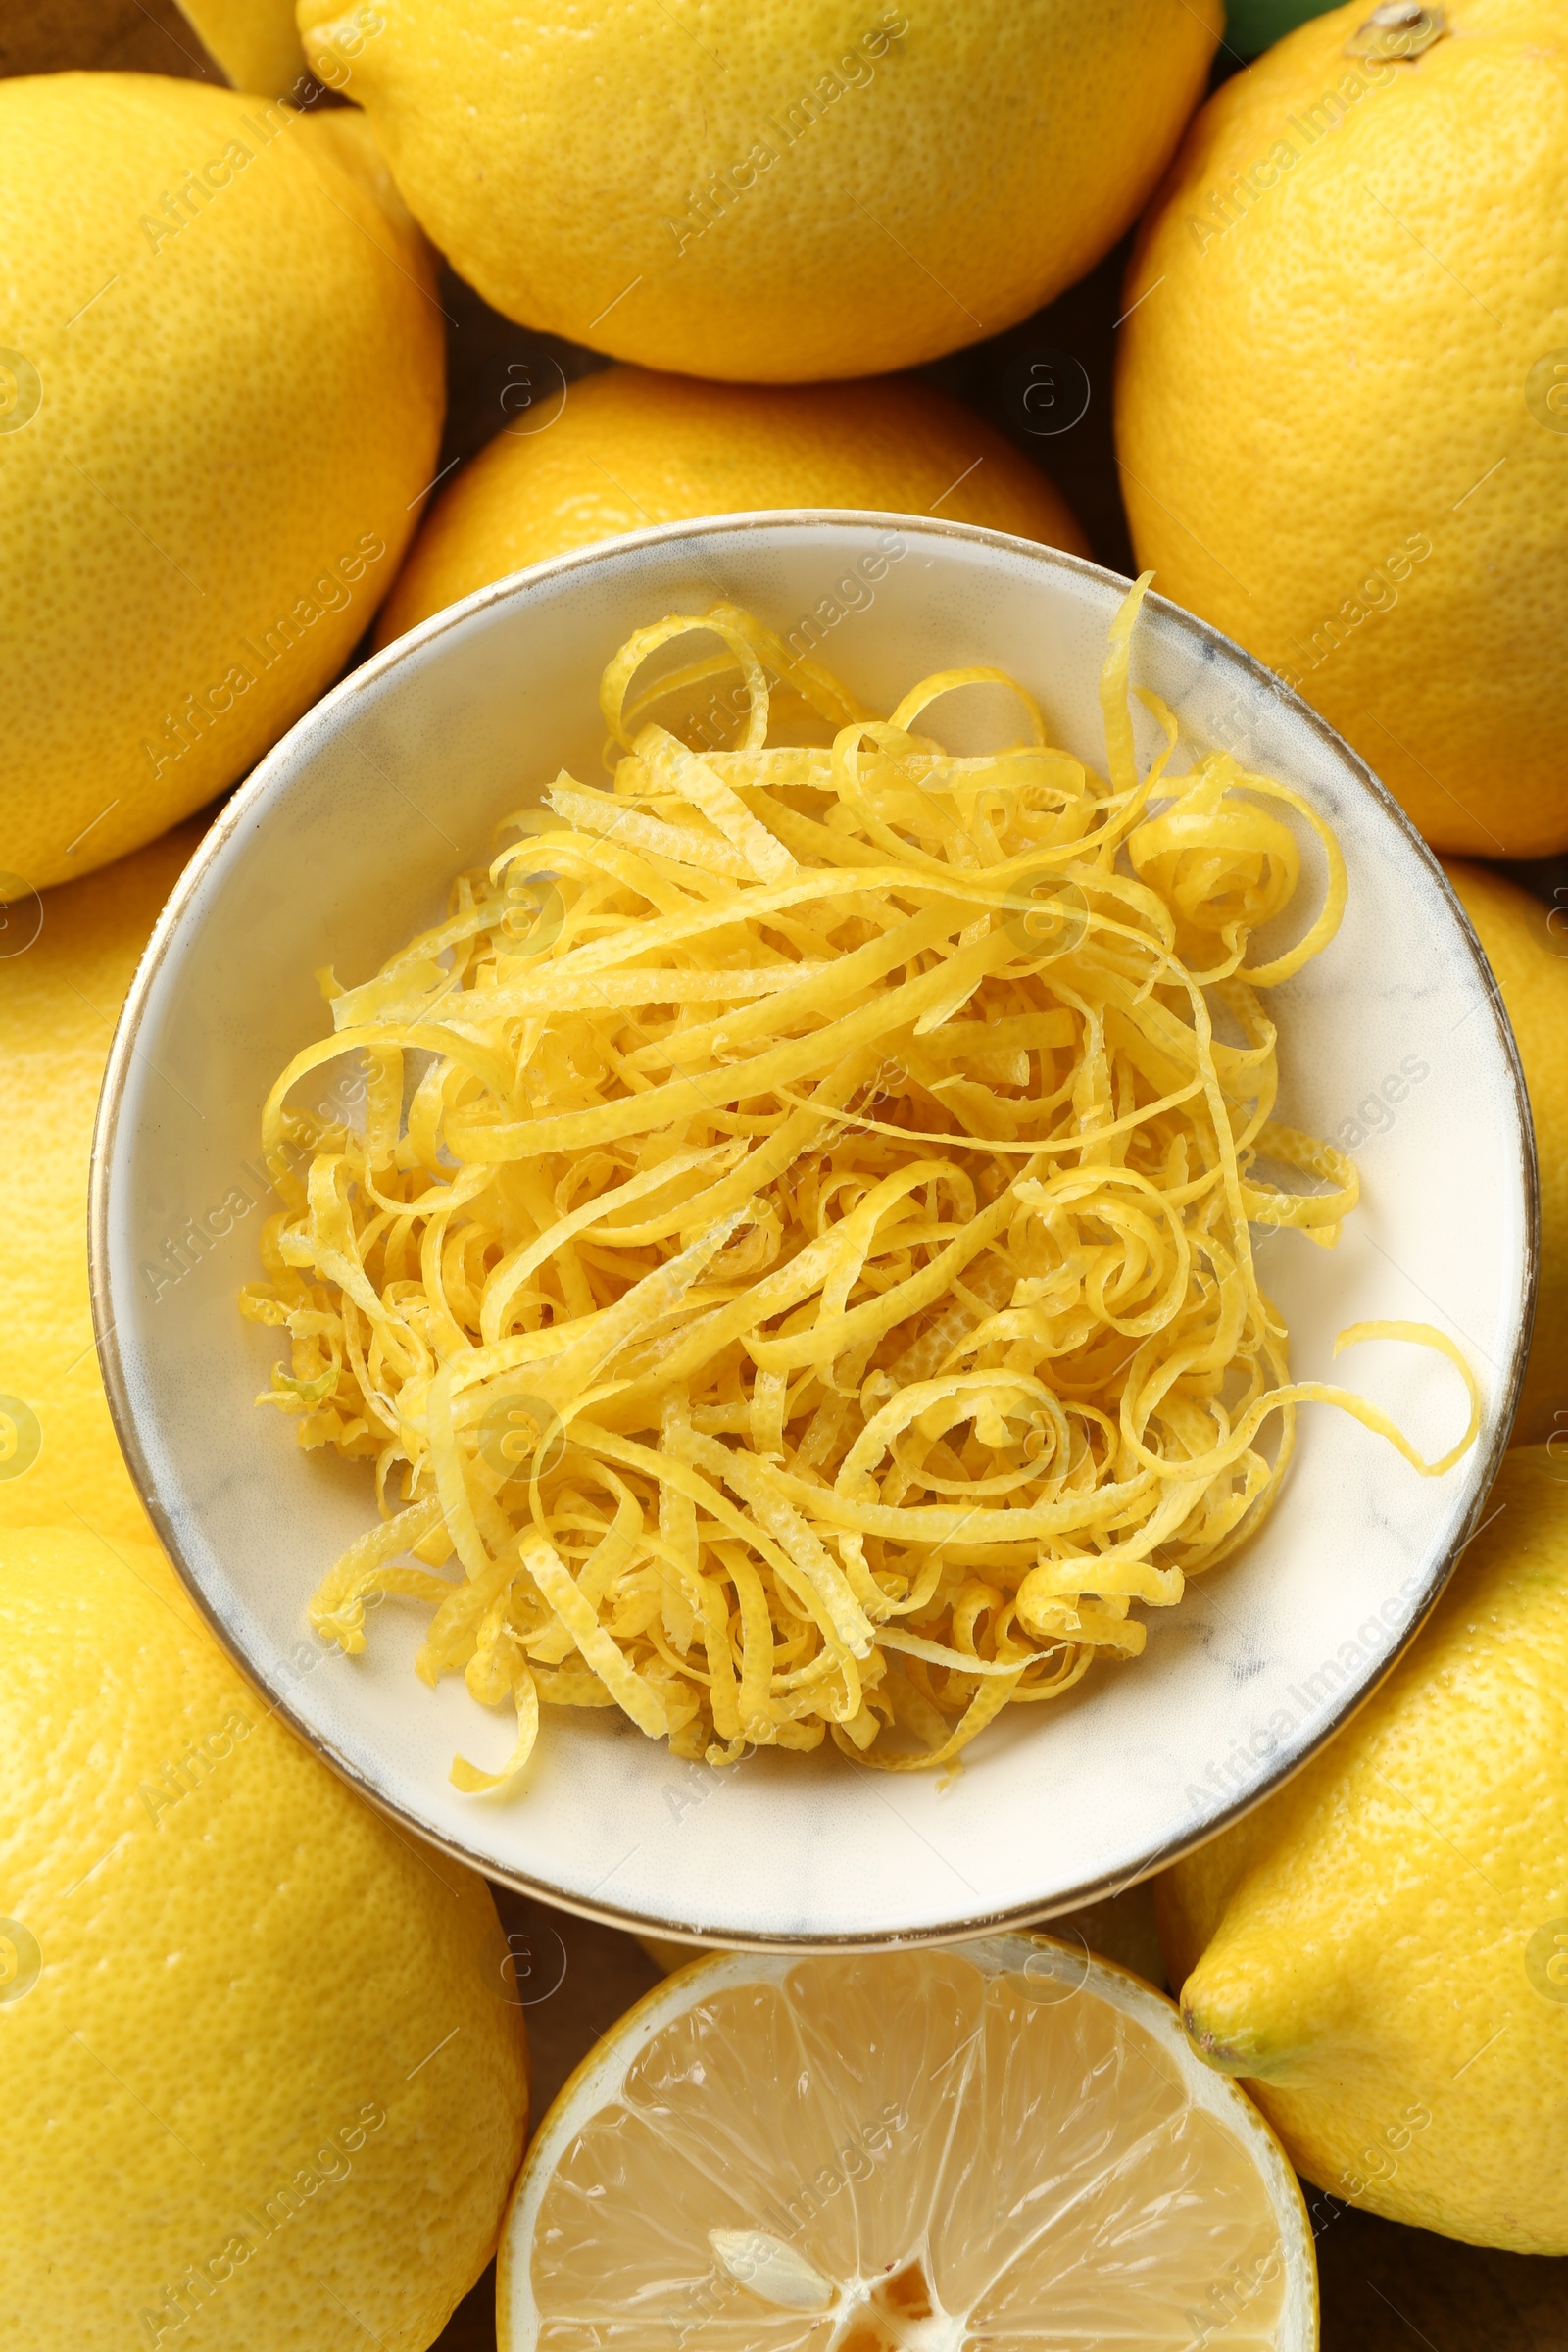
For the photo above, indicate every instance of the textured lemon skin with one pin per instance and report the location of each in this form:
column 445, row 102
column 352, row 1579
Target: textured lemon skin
column 215, row 433
column 1358, row 1947
column 628, row 447
column 1526, row 947
column 58, row 1001
column 1334, row 445
column 252, row 1969
column 943, row 172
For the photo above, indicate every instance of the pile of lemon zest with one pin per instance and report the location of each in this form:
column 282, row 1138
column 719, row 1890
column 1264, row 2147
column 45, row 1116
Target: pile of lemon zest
column 807, row 1281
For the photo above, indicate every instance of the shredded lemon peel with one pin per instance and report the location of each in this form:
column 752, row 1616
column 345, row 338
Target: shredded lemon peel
column 713, row 1394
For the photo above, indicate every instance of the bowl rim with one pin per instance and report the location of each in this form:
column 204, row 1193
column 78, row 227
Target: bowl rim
column 268, row 780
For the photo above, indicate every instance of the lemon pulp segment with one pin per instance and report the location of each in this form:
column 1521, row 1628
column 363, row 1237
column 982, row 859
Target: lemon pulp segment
column 1004, row 2145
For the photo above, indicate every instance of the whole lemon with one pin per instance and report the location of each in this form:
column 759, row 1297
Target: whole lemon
column 219, row 400
column 1382, row 1947
column 1342, row 400
column 626, row 447
column 1526, row 947
column 767, row 189
column 257, row 42
column 66, row 957
column 260, row 2070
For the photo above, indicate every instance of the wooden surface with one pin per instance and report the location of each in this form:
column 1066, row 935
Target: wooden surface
column 121, row 36
column 1384, row 2288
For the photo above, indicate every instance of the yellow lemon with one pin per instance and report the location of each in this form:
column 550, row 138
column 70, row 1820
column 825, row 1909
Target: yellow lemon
column 765, row 190
column 626, row 447
column 1006, row 2144
column 1342, row 400
column 66, row 962
column 263, row 2084
column 257, row 42
column 1526, row 947
column 1382, row 1947
column 219, row 399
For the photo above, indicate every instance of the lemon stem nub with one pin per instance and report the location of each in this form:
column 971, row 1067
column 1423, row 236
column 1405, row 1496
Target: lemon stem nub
column 1400, row 28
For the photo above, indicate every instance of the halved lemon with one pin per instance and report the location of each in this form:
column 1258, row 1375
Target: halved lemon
column 1007, row 2145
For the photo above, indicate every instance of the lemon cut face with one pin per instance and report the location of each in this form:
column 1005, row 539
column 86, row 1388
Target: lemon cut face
column 1008, row 2145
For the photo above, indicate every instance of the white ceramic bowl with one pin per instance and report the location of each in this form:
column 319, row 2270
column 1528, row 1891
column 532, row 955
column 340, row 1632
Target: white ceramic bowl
column 345, row 839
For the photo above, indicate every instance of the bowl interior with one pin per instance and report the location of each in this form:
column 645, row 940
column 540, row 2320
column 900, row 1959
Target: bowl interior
column 346, row 839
